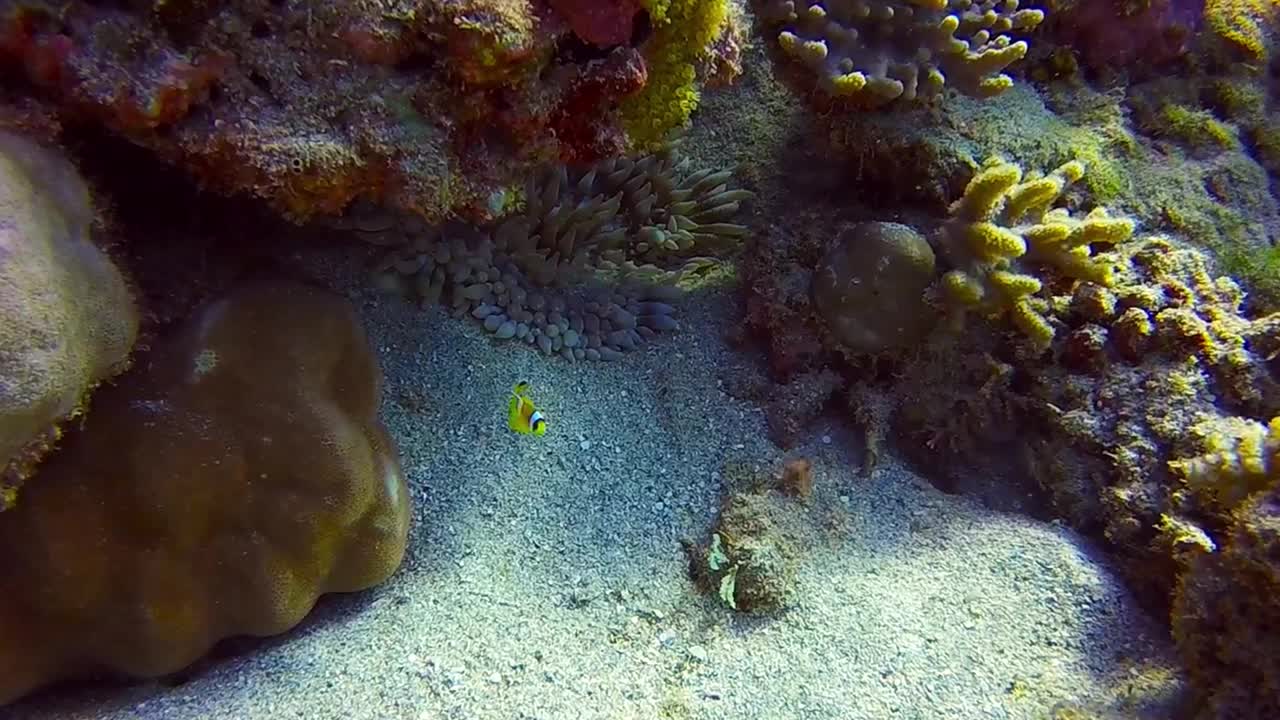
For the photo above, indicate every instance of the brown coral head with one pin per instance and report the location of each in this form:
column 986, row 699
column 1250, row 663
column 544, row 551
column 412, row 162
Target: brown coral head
column 237, row 474
column 870, row 287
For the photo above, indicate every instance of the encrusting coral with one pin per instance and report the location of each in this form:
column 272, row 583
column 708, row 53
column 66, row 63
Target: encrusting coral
column 1236, row 457
column 1003, row 219
column 879, row 51
column 239, row 472
column 586, row 271
column 683, row 35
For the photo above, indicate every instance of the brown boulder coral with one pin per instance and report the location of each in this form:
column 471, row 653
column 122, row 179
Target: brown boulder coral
column 870, row 287
column 67, row 318
column 237, row 474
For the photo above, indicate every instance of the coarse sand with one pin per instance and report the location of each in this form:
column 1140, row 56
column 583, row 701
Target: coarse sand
column 545, row 576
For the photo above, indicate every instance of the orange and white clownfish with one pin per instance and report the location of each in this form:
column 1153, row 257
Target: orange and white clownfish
column 522, row 416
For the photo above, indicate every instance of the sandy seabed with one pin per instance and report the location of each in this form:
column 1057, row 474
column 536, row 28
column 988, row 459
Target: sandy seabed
column 545, row 577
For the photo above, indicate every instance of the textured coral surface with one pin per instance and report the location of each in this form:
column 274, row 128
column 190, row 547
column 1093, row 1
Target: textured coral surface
column 235, row 475
column 1226, row 617
column 67, row 319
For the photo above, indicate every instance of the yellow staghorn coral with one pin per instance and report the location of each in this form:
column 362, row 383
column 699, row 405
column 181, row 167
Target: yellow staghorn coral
column 1005, row 222
column 1243, row 23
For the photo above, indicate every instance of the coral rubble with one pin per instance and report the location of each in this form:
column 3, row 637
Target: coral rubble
column 586, row 270
column 237, row 473
column 880, row 51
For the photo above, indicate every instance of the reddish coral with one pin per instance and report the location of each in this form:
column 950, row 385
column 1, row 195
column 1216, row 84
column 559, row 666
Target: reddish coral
column 493, row 43
column 180, row 88
column 377, row 43
column 582, row 122
column 601, row 22
column 42, row 55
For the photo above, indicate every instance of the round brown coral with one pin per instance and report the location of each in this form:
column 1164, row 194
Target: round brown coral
column 218, row 490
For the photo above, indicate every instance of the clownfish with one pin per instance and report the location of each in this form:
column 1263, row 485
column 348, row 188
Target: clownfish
column 522, row 416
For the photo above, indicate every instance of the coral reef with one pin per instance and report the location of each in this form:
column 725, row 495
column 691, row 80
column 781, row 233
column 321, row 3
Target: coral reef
column 1226, row 619
column 587, row 269
column 430, row 106
column 878, row 51
column 1162, row 366
column 1245, row 25
column 236, row 474
column 1002, row 218
column 1109, row 36
column 1213, row 127
column 1236, row 457
column 67, row 318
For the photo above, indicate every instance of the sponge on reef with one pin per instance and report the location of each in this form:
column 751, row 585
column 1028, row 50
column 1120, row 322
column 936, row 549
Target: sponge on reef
column 878, row 51
column 238, row 473
column 1003, row 225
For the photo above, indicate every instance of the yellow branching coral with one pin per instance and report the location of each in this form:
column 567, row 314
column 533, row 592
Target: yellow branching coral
column 1243, row 23
column 1005, row 218
column 1238, row 457
column 683, row 32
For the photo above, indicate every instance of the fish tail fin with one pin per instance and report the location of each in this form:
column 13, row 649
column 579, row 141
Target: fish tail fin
column 521, row 388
